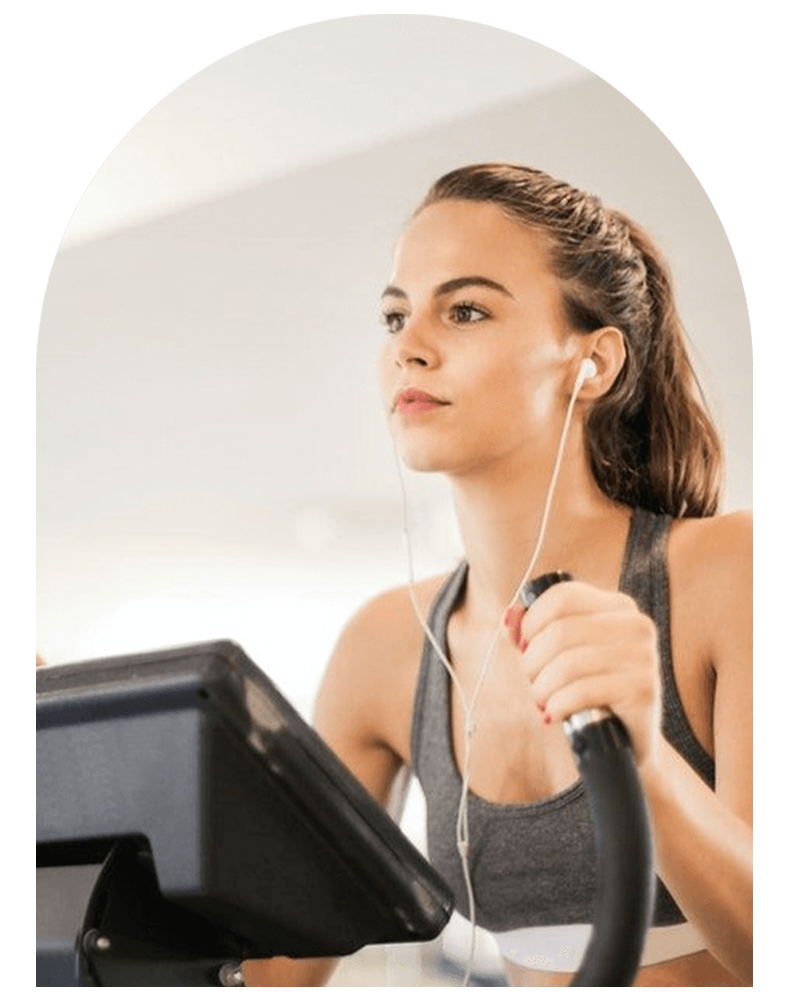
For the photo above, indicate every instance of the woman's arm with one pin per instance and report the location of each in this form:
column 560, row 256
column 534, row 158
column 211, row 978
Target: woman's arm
column 704, row 857
column 704, row 838
column 588, row 648
column 288, row 971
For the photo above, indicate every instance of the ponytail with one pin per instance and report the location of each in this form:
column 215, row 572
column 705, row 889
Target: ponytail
column 650, row 439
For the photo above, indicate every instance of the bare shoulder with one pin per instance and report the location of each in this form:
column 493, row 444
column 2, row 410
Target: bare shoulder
column 711, row 575
column 732, row 528
column 383, row 637
column 715, row 552
column 365, row 703
column 710, row 572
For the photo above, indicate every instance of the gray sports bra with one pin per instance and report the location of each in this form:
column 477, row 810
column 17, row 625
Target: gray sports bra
column 534, row 865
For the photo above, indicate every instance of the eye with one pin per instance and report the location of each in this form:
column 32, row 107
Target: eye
column 467, row 312
column 393, row 320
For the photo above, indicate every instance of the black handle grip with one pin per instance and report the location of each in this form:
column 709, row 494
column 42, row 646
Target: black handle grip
column 625, row 867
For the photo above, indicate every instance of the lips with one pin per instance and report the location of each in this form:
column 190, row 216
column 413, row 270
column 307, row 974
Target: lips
column 415, row 401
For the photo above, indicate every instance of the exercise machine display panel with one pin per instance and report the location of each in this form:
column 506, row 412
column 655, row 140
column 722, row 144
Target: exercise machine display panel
column 189, row 775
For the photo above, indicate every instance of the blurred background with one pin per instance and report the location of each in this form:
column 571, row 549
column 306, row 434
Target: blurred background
column 212, row 458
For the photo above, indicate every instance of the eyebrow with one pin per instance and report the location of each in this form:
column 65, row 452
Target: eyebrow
column 453, row 285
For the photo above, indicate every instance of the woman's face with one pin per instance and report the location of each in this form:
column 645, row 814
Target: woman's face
column 479, row 360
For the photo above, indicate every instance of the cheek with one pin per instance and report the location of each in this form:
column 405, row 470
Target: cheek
column 518, row 398
column 505, row 385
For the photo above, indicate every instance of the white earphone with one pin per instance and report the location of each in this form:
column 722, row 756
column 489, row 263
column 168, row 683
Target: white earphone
column 587, row 370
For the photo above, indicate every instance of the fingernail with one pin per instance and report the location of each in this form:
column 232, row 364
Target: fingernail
column 547, row 720
column 513, row 617
column 523, row 645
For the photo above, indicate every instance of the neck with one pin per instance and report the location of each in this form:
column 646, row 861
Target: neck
column 500, row 511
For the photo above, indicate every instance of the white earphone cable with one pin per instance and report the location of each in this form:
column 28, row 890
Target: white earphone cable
column 469, row 707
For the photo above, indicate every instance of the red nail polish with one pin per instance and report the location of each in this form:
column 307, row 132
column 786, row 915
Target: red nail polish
column 513, row 617
column 523, row 645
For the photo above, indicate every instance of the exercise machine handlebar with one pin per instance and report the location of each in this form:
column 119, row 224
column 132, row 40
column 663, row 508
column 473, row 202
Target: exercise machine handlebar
column 625, row 868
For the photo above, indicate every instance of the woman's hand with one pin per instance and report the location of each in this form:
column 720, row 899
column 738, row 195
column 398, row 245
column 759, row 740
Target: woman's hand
column 590, row 648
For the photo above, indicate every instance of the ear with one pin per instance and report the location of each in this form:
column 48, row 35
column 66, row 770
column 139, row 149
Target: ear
column 607, row 348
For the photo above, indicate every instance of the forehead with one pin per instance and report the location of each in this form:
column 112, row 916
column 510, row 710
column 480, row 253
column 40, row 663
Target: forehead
column 453, row 238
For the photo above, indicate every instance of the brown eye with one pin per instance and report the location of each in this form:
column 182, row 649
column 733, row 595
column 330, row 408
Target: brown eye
column 393, row 321
column 467, row 312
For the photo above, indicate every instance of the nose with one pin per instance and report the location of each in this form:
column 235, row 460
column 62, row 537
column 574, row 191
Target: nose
column 413, row 347
column 408, row 359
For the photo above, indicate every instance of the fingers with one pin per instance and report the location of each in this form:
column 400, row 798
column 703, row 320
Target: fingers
column 564, row 615
column 588, row 648
column 593, row 677
column 568, row 600
column 610, row 641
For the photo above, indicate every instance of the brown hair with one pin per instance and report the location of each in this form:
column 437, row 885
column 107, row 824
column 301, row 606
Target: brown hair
column 650, row 439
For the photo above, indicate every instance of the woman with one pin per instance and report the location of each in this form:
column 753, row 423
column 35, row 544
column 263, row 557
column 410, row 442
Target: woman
column 504, row 282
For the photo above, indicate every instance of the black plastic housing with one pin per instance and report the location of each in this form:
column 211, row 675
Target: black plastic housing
column 188, row 773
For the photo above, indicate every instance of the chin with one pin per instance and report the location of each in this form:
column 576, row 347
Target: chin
column 440, row 453
column 420, row 462
column 434, row 460
column 422, row 456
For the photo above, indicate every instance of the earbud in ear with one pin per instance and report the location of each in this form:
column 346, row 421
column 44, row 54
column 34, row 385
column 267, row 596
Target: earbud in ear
column 587, row 371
